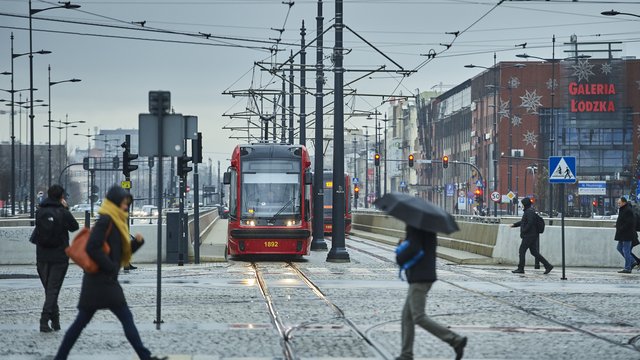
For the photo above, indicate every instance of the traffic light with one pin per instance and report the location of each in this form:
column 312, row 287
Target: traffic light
column 445, row 162
column 594, row 203
column 116, row 162
column 183, row 165
column 196, row 149
column 376, row 159
column 478, row 194
column 159, row 102
column 356, row 191
column 411, row 157
column 127, row 156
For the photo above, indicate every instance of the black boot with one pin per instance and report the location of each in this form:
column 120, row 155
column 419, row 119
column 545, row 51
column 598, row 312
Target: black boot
column 55, row 321
column 44, row 323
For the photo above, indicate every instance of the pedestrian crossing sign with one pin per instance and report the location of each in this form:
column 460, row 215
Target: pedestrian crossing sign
column 562, row 169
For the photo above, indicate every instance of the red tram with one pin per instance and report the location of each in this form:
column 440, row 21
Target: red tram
column 269, row 200
column 328, row 202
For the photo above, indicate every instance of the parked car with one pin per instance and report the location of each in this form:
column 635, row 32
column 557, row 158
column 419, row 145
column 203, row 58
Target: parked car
column 149, row 210
column 223, row 211
column 81, row 207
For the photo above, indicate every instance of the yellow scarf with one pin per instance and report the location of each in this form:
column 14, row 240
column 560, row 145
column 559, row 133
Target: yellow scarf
column 119, row 218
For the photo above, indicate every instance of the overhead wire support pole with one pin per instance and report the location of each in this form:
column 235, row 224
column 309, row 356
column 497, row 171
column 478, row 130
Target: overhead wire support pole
column 283, row 130
column 303, row 86
column 291, row 97
column 317, row 242
column 338, row 252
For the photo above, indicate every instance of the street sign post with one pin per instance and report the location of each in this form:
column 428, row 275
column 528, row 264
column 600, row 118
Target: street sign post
column 496, row 197
column 562, row 170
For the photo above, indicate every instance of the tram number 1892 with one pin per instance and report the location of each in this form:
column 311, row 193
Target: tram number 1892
column 271, row 244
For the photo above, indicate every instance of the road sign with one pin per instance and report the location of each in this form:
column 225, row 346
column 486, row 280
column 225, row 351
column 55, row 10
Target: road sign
column 125, row 184
column 462, row 202
column 562, row 169
column 403, row 184
column 460, row 193
column 511, row 195
column 356, row 181
column 495, row 196
column 592, row 188
column 479, row 184
column 450, row 189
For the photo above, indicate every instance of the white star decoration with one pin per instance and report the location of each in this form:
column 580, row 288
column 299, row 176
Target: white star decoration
column 514, row 82
column 606, row 68
column 531, row 101
column 516, row 120
column 552, row 84
column 583, row 70
column 530, row 138
column 504, row 109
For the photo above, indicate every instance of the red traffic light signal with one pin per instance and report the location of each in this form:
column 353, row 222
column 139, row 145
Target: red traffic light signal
column 594, row 203
column 356, row 191
column 411, row 158
column 445, row 162
column 376, row 159
column 478, row 192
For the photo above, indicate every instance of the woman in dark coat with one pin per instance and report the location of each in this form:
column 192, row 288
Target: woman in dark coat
column 102, row 289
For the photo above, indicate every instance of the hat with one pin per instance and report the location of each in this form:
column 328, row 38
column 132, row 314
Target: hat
column 116, row 194
column 526, row 202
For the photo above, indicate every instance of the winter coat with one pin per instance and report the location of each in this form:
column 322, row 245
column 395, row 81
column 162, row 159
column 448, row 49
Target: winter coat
column 57, row 254
column 425, row 269
column 102, row 289
column 626, row 224
column 527, row 225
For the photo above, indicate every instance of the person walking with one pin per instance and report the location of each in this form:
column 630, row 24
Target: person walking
column 625, row 233
column 51, row 236
column 421, row 277
column 102, row 289
column 530, row 238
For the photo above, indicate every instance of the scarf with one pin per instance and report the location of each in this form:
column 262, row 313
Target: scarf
column 119, row 218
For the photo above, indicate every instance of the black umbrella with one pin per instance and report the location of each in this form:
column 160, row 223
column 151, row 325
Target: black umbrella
column 418, row 213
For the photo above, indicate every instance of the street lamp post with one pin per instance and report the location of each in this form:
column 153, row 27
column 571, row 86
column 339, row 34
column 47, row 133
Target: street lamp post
column 51, row 83
column 88, row 136
column 32, row 182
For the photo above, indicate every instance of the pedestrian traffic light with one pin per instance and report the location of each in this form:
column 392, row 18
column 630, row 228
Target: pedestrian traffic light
column 411, row 157
column 356, row 191
column 445, row 162
column 183, row 165
column 127, row 156
column 376, row 159
column 594, row 203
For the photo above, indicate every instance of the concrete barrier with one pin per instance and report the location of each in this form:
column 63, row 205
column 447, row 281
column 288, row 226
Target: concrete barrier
column 15, row 248
column 588, row 243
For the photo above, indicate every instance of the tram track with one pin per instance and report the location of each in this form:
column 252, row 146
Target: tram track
column 633, row 341
column 286, row 332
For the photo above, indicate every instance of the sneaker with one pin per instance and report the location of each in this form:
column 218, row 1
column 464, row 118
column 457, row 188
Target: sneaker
column 159, row 358
column 518, row 271
column 459, row 349
column 548, row 269
column 624, row 271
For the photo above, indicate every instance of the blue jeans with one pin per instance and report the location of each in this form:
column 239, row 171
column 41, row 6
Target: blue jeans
column 84, row 316
column 624, row 248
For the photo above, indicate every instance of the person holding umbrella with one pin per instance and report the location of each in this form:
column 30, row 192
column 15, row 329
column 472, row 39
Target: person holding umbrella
column 423, row 221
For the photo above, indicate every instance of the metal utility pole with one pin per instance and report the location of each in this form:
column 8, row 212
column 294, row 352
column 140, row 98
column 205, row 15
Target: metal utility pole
column 338, row 252
column 552, row 122
column 495, row 133
column 291, row 127
column 283, row 131
column 220, row 184
column 13, row 139
column 303, row 87
column 355, row 170
column 318, row 243
column 366, row 167
column 150, row 202
column 385, row 153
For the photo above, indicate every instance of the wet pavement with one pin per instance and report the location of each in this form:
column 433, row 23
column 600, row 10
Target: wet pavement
column 324, row 310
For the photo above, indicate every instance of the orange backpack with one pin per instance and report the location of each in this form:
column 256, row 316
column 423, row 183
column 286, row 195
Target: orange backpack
column 77, row 251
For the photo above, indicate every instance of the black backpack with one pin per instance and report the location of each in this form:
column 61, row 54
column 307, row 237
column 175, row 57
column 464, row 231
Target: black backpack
column 49, row 231
column 539, row 223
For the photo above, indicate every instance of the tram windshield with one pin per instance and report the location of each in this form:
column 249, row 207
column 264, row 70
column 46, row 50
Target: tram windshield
column 271, row 189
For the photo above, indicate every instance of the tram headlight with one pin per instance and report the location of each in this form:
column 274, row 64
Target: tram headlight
column 250, row 222
column 291, row 223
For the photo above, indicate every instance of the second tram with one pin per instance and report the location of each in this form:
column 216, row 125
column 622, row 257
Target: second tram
column 328, row 202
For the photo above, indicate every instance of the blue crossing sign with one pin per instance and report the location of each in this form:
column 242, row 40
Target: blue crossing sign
column 562, row 169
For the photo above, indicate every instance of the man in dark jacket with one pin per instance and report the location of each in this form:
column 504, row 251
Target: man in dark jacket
column 52, row 262
column 625, row 233
column 420, row 278
column 530, row 238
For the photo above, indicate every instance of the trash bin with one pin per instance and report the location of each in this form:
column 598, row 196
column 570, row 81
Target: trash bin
column 175, row 245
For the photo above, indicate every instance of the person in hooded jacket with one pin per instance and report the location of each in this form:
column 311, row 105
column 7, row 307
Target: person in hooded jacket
column 421, row 277
column 102, row 289
column 52, row 262
column 530, row 238
column 626, row 234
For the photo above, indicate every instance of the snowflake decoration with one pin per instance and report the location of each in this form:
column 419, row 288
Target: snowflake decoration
column 583, row 70
column 530, row 138
column 606, row 68
column 504, row 109
column 513, row 82
column 552, row 84
column 516, row 120
column 531, row 101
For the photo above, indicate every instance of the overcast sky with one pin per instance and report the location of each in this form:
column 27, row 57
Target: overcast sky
column 117, row 73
